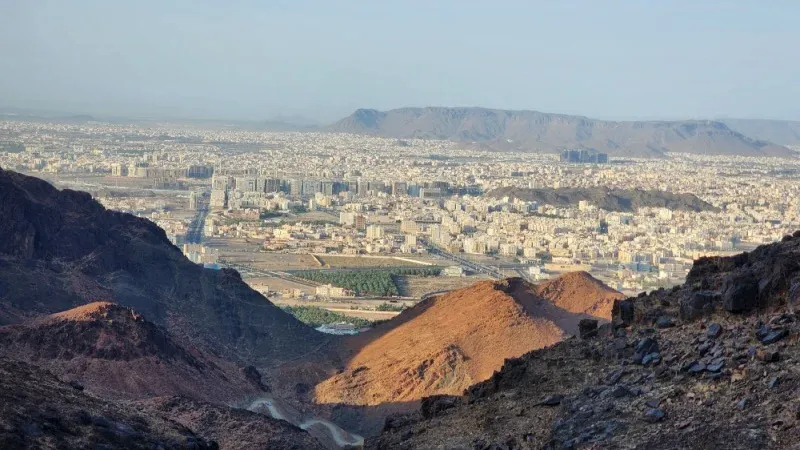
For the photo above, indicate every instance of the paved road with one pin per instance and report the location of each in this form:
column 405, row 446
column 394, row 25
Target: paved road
column 471, row 266
column 194, row 235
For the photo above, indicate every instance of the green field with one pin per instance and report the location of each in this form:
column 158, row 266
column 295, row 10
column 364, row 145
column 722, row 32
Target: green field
column 316, row 316
column 381, row 282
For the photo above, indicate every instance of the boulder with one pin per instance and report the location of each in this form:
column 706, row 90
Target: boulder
column 740, row 293
column 699, row 304
column 587, row 328
column 433, row 406
column 622, row 313
column 714, row 330
column 552, row 400
column 654, row 415
column 644, row 348
column 665, row 322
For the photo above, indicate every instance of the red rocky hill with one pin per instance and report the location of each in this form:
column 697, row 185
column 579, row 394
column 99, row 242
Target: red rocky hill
column 709, row 364
column 447, row 343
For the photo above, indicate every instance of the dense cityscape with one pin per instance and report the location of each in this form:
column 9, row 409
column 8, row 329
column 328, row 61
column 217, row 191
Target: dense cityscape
column 270, row 204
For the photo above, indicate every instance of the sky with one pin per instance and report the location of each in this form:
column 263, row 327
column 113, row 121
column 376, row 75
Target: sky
column 322, row 59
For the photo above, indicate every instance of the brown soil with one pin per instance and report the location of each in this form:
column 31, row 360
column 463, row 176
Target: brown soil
column 579, row 292
column 446, row 343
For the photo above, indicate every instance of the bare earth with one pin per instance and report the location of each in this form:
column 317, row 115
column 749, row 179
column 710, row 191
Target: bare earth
column 447, row 343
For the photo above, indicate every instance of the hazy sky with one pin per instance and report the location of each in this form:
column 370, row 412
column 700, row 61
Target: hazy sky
column 324, row 58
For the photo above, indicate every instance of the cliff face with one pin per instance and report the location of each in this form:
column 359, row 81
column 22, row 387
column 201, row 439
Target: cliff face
column 712, row 361
column 61, row 249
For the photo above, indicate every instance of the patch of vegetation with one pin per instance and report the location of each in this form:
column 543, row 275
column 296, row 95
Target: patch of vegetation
column 266, row 214
column 390, row 307
column 380, row 282
column 237, row 220
column 315, row 316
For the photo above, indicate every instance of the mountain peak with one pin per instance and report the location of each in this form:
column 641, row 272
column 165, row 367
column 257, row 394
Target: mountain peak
column 445, row 343
column 94, row 311
column 75, row 251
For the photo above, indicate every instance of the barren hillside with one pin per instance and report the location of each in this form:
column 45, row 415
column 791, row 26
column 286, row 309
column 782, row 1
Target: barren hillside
column 446, row 343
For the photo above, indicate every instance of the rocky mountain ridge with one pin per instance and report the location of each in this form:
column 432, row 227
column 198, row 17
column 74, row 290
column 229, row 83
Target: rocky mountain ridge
column 538, row 131
column 712, row 361
column 781, row 132
column 116, row 353
column 60, row 249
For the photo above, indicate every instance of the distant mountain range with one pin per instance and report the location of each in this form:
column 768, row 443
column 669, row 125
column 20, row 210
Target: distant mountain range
column 782, row 132
column 545, row 132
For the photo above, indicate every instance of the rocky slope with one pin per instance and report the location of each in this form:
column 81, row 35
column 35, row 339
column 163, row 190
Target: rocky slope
column 446, row 343
column 532, row 130
column 39, row 411
column 712, row 362
column 114, row 352
column 61, row 249
column 231, row 428
column 609, row 199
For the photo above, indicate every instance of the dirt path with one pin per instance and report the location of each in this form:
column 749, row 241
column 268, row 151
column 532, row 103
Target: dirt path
column 329, row 433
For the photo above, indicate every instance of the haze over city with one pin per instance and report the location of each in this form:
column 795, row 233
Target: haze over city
column 256, row 60
column 288, row 225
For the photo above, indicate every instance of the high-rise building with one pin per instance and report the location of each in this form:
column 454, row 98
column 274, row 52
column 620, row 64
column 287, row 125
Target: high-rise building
column 296, row 187
column 374, row 232
column 361, row 222
column 119, row 170
column 584, row 156
column 399, row 188
column 193, row 200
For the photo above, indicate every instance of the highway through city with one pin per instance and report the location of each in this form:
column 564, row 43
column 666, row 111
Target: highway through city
column 194, row 235
column 466, row 264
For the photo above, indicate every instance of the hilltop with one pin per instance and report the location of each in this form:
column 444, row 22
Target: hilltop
column 579, row 293
column 60, row 249
column 619, row 200
column 711, row 361
column 538, row 131
column 449, row 342
column 115, row 352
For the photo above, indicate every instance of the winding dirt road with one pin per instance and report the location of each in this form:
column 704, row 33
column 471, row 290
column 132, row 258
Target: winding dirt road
column 329, row 433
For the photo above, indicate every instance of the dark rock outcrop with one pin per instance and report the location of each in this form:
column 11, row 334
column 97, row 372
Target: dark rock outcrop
column 60, row 249
column 39, row 411
column 728, row 379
